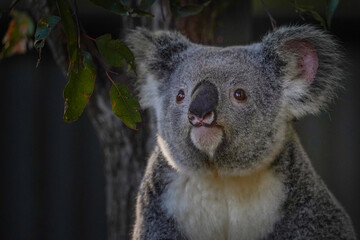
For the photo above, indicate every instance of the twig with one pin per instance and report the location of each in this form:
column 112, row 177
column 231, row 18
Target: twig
column 111, row 80
column 272, row 20
column 91, row 38
column 90, row 45
column 39, row 57
column 94, row 52
column 113, row 72
column 13, row 4
column 113, row 83
column 77, row 23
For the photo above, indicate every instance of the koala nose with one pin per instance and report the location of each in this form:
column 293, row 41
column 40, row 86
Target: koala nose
column 203, row 105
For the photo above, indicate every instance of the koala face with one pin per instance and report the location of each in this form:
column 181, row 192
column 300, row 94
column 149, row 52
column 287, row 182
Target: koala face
column 227, row 113
column 228, row 109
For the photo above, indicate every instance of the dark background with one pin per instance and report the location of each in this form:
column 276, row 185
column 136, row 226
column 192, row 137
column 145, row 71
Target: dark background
column 51, row 173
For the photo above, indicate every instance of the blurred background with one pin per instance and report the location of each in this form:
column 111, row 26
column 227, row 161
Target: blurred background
column 52, row 174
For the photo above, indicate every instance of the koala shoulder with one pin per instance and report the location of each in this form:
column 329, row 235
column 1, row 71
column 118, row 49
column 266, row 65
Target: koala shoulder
column 310, row 209
column 152, row 222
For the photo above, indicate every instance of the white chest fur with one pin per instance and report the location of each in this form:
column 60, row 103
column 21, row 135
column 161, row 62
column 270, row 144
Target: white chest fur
column 213, row 207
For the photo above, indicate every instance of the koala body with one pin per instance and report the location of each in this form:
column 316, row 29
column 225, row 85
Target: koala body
column 228, row 164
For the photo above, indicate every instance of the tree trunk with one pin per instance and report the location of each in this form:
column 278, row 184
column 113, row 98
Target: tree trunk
column 125, row 151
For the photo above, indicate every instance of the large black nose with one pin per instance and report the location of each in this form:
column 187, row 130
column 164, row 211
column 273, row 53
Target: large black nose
column 203, row 105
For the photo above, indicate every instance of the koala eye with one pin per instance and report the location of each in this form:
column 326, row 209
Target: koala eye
column 240, row 95
column 180, row 96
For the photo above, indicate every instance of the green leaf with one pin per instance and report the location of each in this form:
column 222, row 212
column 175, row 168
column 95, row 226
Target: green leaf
column 43, row 30
column 81, row 72
column 44, row 26
column 115, row 6
column 69, row 26
column 140, row 13
column 146, row 4
column 125, row 106
column 330, row 9
column 119, row 7
column 186, row 10
column 311, row 11
column 318, row 18
column 18, row 34
column 80, row 86
column 115, row 52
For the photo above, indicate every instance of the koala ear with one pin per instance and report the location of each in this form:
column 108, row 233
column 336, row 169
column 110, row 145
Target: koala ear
column 157, row 53
column 308, row 62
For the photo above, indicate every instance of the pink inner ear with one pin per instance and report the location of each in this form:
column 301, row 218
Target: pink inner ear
column 308, row 60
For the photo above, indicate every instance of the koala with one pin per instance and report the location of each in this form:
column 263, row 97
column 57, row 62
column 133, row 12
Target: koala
column 227, row 163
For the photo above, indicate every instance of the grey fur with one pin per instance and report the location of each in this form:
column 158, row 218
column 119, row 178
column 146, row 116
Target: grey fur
column 256, row 134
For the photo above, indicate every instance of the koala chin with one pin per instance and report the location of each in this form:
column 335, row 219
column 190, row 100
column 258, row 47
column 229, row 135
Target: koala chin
column 206, row 139
column 228, row 163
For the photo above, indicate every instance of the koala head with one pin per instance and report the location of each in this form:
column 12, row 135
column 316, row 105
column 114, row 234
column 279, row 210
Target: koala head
column 229, row 109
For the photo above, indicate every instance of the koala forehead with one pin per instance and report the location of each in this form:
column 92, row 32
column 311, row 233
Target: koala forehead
column 228, row 68
column 218, row 64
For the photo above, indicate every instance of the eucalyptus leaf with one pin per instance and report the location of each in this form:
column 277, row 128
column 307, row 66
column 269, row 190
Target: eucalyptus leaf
column 80, row 86
column 18, row 34
column 187, row 10
column 69, row 26
column 115, row 6
column 119, row 7
column 314, row 14
column 115, row 52
column 140, row 13
column 125, row 106
column 44, row 26
column 81, row 72
column 318, row 18
column 146, row 4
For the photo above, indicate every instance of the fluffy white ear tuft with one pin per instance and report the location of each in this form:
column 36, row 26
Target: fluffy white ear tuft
column 157, row 53
column 308, row 62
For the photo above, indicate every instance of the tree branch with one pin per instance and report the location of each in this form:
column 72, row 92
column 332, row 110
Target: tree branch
column 56, row 39
column 272, row 20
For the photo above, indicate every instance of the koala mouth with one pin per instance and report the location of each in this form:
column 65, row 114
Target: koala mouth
column 206, row 138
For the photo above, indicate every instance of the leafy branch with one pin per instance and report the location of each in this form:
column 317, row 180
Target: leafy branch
column 310, row 10
column 82, row 71
column 84, row 50
column 44, row 26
